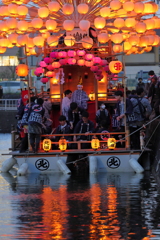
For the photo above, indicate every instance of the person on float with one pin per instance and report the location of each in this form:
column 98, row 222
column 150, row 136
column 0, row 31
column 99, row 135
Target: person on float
column 66, row 101
column 35, row 123
column 102, row 114
column 84, row 126
column 80, row 96
column 74, row 114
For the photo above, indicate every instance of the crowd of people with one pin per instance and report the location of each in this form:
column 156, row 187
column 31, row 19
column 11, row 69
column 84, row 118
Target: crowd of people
column 135, row 110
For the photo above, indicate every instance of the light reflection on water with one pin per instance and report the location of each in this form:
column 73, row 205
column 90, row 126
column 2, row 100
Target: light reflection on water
column 101, row 206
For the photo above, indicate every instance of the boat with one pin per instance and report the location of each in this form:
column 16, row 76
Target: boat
column 78, row 45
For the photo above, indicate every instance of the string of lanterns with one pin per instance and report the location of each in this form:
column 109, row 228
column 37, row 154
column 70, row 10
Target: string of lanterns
column 35, row 24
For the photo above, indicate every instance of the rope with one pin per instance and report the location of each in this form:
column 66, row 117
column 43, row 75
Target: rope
column 100, row 151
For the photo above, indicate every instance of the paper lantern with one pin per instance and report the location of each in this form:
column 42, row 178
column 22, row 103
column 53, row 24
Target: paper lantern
column 99, row 22
column 126, row 47
column 43, row 12
column 150, row 24
column 54, row 54
column 63, row 62
column 32, row 51
column 95, row 144
column 89, row 63
column 4, row 42
column 140, row 27
column 51, row 25
column 62, row 144
column 81, row 62
column 42, row 64
column 52, row 41
column 104, row 12
column 117, row 38
column 68, row 25
column 2, row 50
column 115, row 5
column 3, row 26
column 13, row 38
column 38, row 41
column 56, row 64
column 89, row 56
column 97, row 60
column 128, row 6
column 69, row 41
column 151, row 40
column 87, row 42
column 40, row 70
column 22, row 10
column 68, row 9
column 47, row 144
column 22, row 70
column 62, row 54
column 12, row 8
column 103, row 37
column 133, row 40
column 22, row 26
column 138, row 7
column 30, row 43
column 81, row 53
column 103, row 62
column 71, row 61
column 54, row 6
column 37, row 23
column 48, row 60
column 4, row 11
column 11, row 23
column 71, row 53
column 156, row 40
column 50, row 67
column 143, row 41
column 44, row 80
column 119, row 23
column 22, row 40
column 111, row 143
column 92, row 96
column 82, row 8
column 84, row 25
column 117, row 48
column 115, row 66
column 94, row 68
column 50, row 74
column 130, row 22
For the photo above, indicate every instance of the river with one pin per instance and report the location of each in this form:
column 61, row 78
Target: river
column 98, row 207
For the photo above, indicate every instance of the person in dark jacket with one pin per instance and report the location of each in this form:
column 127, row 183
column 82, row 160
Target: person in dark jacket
column 154, row 94
column 84, row 126
column 74, row 114
column 63, row 128
column 102, row 114
column 35, row 122
column 140, row 84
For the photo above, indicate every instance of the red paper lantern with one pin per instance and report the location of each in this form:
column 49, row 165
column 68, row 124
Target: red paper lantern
column 22, row 70
column 115, row 66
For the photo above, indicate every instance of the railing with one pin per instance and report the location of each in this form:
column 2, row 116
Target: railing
column 16, row 141
column 8, row 104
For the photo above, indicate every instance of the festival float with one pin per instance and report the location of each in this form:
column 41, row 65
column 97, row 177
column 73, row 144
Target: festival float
column 75, row 40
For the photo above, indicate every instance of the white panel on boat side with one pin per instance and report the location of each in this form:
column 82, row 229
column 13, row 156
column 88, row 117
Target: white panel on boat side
column 115, row 162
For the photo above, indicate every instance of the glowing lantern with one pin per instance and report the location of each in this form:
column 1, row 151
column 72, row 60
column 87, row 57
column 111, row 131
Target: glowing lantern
column 87, row 42
column 97, row 60
column 44, row 80
column 104, row 12
column 111, row 143
column 3, row 26
column 69, row 41
column 22, row 40
column 140, row 27
column 128, row 6
column 92, row 96
column 52, row 41
column 127, row 46
column 68, row 25
column 82, row 8
column 138, row 7
column 42, row 64
column 47, row 144
column 37, row 23
column 54, row 6
column 119, row 23
column 30, row 43
column 12, row 8
column 45, row 35
column 22, row 70
column 51, row 25
column 22, row 26
column 50, row 74
column 81, row 53
column 43, row 12
column 56, row 64
column 95, row 143
column 32, row 51
column 11, row 23
column 99, row 22
column 94, row 68
column 68, row 9
column 4, row 42
column 62, row 144
column 81, row 62
column 143, row 41
column 148, row 8
column 130, row 22
column 71, row 53
column 63, row 62
column 48, row 60
column 39, row 70
column 2, row 50
column 38, row 41
column 133, row 40
column 150, row 24
column 117, row 48
column 4, row 11
column 54, row 54
column 84, row 25
column 103, row 62
column 115, row 66
column 88, row 63
column 62, row 54
column 89, row 56
column 103, row 37
column 151, row 40
column 50, row 67
column 71, row 61
column 156, row 40
column 115, row 4
column 22, row 10
column 117, row 38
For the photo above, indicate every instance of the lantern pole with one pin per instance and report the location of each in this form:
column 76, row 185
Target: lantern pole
column 127, row 145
